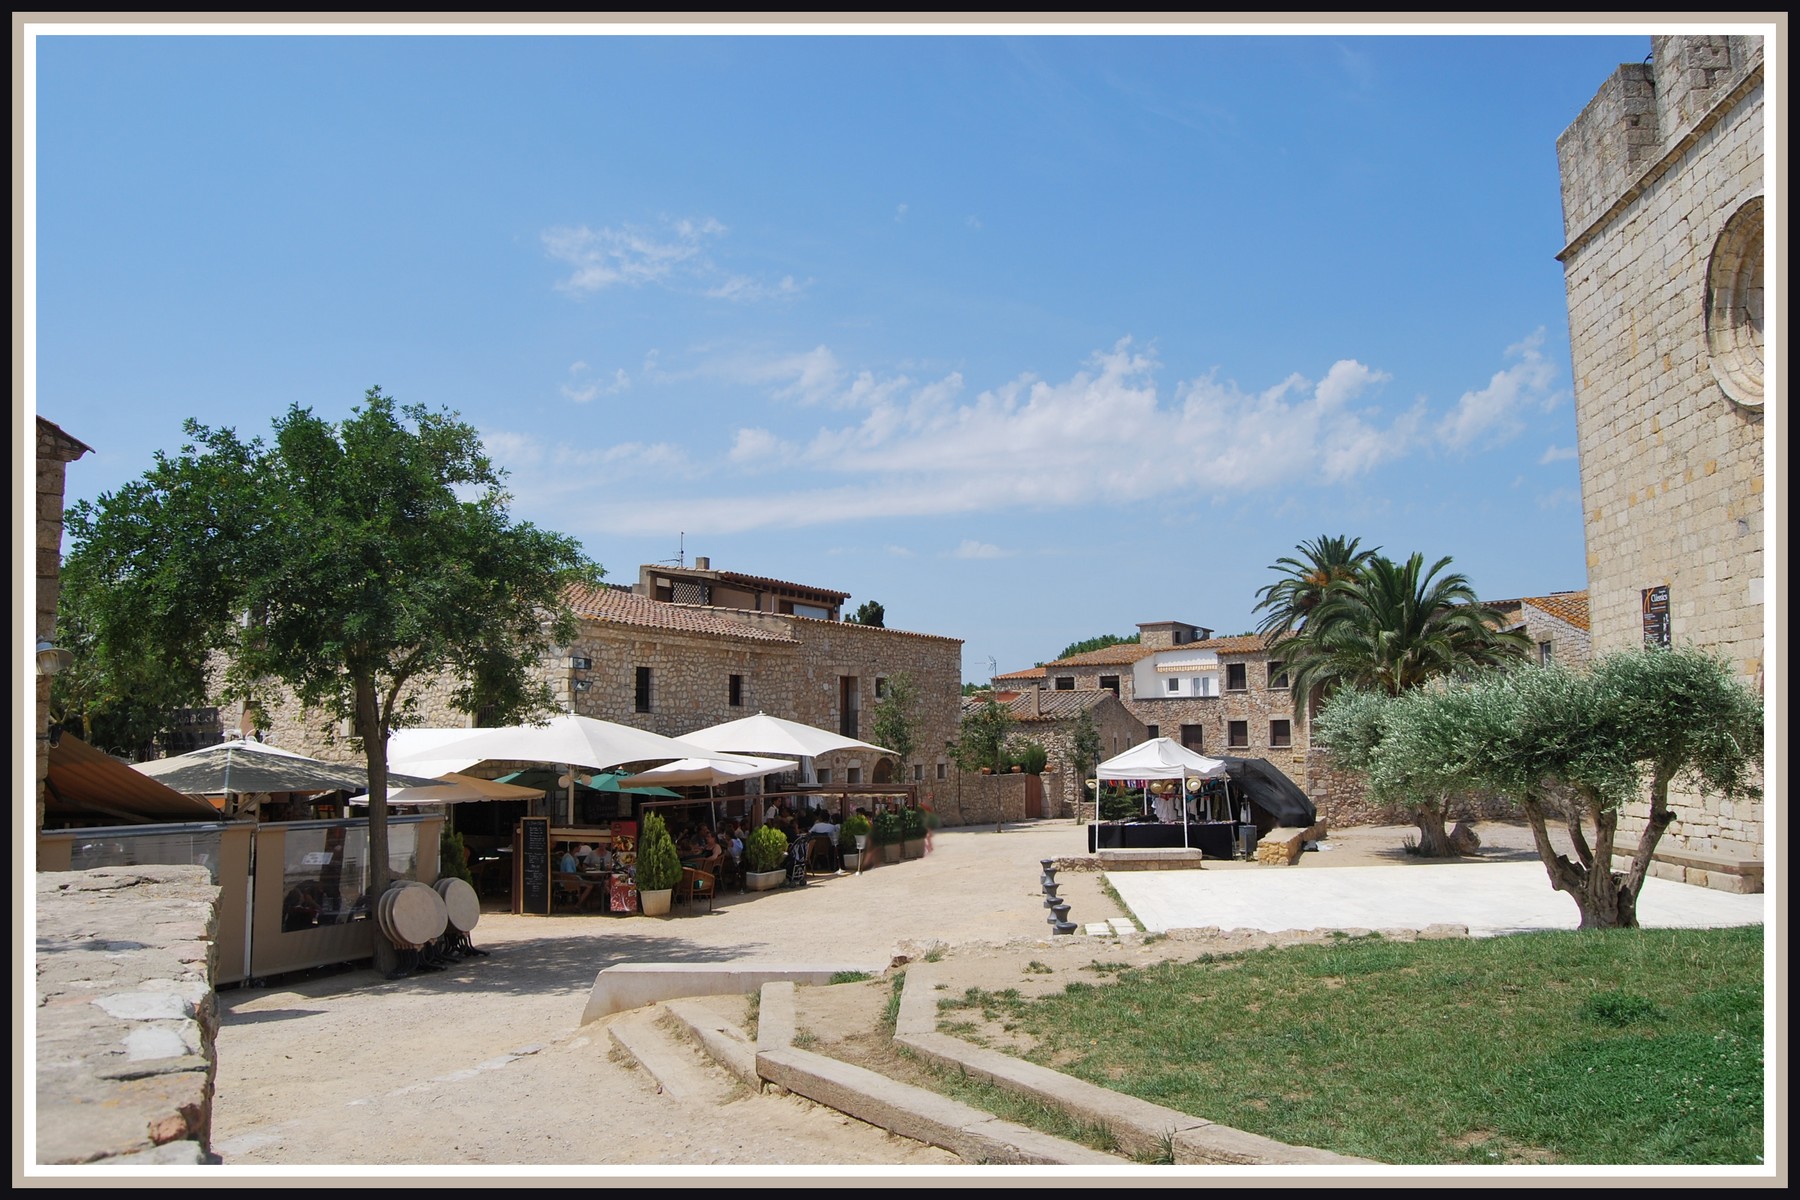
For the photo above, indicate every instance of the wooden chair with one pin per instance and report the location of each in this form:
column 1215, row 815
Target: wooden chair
column 698, row 885
column 574, row 889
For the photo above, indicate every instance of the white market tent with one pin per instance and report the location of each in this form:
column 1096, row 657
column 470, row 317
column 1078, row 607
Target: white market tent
column 1162, row 759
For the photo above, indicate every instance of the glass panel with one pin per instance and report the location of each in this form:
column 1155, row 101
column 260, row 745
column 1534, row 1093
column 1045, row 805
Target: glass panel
column 121, row 848
column 325, row 872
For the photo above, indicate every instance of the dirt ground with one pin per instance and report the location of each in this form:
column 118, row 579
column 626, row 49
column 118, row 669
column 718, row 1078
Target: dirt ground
column 486, row 1062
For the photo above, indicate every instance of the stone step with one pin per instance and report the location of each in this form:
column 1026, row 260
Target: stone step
column 680, row 1072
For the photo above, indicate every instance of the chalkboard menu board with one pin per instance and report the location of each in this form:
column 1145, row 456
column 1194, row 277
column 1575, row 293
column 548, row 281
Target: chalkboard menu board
column 533, row 856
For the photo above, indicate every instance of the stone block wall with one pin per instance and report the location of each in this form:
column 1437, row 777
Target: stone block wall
column 126, row 1016
column 974, row 799
column 1670, row 433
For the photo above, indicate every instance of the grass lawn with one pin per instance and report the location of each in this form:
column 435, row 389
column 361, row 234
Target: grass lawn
column 1637, row 1046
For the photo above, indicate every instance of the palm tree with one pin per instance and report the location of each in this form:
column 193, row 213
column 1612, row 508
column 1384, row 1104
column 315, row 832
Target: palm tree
column 1291, row 599
column 1391, row 628
column 1394, row 628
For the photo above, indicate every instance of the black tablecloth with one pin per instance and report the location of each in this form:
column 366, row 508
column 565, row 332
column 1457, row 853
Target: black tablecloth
column 1214, row 839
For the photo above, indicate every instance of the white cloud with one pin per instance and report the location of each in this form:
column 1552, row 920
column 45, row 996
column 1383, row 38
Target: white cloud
column 1560, row 498
column 974, row 549
column 972, row 221
column 1102, row 436
column 581, row 387
column 673, row 254
column 899, row 213
column 1555, row 453
column 1491, row 416
column 899, row 551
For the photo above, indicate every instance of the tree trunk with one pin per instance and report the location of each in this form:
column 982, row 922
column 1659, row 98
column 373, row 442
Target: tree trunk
column 368, row 727
column 1434, row 840
column 1605, row 898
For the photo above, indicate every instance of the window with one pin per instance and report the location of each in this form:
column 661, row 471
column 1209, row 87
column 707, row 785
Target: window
column 643, row 689
column 824, row 774
column 1193, row 737
column 881, row 687
column 1237, row 677
column 1152, row 732
column 918, row 772
column 1281, row 733
column 1239, row 734
column 853, row 775
column 1277, row 674
column 1174, row 686
column 736, row 690
column 1065, row 683
column 848, row 704
column 943, row 770
column 1545, row 653
column 1110, row 683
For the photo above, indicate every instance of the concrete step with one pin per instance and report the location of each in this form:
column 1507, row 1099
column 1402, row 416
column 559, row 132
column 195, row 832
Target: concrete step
column 681, row 1072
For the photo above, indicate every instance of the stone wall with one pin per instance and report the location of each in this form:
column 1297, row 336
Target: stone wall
column 126, row 1016
column 1570, row 644
column 55, row 451
column 1662, row 183
column 1256, row 705
column 975, row 799
column 1063, row 786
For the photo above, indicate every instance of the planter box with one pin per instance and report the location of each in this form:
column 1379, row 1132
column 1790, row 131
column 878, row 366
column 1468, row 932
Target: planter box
column 913, row 847
column 763, row 881
column 891, row 852
column 656, row 904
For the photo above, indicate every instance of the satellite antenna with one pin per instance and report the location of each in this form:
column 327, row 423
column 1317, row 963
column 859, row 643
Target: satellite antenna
column 992, row 667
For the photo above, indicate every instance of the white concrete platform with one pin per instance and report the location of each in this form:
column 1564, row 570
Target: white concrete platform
column 1489, row 898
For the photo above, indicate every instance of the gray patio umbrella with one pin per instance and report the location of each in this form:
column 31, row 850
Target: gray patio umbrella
column 243, row 767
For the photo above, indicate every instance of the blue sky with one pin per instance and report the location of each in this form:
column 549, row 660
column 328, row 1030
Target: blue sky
column 1029, row 338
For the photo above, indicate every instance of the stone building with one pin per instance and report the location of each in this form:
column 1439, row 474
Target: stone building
column 672, row 668
column 1662, row 194
column 55, row 451
column 1557, row 625
column 1049, row 719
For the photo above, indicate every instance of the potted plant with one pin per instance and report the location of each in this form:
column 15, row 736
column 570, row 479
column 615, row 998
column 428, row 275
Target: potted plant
column 764, row 852
column 1033, row 758
column 888, row 835
column 912, row 832
column 658, row 867
column 853, row 839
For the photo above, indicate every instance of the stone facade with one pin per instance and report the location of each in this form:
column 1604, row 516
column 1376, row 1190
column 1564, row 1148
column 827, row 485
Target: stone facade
column 1662, row 180
column 1049, row 718
column 674, row 668
column 55, row 451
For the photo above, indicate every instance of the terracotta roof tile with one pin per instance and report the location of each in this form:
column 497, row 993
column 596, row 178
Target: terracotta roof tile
column 1249, row 643
column 1027, row 673
column 1108, row 656
column 622, row 607
column 765, row 581
column 1564, row 606
column 860, row 630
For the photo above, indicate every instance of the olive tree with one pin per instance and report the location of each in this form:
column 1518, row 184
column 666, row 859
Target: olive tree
column 1636, row 727
column 342, row 563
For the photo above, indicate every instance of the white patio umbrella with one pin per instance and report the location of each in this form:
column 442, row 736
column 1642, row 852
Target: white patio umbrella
column 707, row 772
column 455, row 789
column 568, row 738
column 763, row 734
column 247, row 767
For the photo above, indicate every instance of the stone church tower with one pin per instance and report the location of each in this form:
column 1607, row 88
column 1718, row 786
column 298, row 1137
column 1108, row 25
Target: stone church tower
column 1662, row 192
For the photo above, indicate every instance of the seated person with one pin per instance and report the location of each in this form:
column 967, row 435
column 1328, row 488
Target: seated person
column 567, row 863
column 300, row 908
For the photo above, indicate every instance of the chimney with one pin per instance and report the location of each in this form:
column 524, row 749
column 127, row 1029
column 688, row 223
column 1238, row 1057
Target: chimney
column 702, row 563
column 1037, row 702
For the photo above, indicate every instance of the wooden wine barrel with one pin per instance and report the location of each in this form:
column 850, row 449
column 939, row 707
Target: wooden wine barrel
column 463, row 904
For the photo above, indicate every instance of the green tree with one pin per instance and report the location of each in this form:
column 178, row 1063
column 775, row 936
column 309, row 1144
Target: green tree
column 1096, row 643
column 1084, row 750
column 869, row 612
column 343, row 562
column 1304, row 580
column 658, row 863
column 1395, row 627
column 1638, row 724
column 895, row 724
column 981, row 738
column 1390, row 629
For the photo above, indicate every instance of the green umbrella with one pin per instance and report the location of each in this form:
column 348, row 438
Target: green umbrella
column 608, row 781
